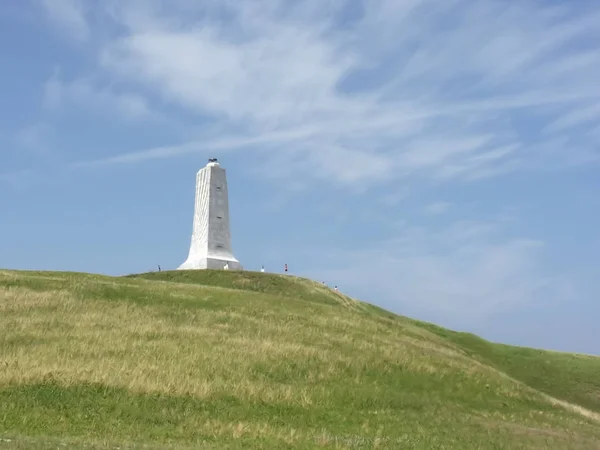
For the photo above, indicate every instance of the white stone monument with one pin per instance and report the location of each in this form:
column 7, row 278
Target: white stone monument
column 211, row 239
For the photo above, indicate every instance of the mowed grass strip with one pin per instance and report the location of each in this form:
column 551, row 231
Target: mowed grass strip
column 123, row 361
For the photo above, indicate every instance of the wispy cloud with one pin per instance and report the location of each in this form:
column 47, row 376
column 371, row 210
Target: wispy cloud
column 34, row 137
column 85, row 93
column 69, row 16
column 576, row 117
column 465, row 272
column 393, row 91
column 394, row 197
column 437, row 208
column 451, row 79
column 198, row 146
column 21, row 179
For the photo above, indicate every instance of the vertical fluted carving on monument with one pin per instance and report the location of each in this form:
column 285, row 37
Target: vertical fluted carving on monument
column 200, row 229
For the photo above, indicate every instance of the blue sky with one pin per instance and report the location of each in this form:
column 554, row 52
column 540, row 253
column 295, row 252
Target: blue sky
column 439, row 159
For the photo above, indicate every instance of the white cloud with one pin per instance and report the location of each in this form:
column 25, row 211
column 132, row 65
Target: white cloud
column 265, row 67
column 414, row 89
column 197, row 146
column 394, row 197
column 68, row 15
column 34, row 137
column 270, row 82
column 576, row 117
column 437, row 208
column 466, row 272
column 21, row 179
column 85, row 93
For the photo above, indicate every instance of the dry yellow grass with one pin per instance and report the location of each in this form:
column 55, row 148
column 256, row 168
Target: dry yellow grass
column 272, row 369
column 147, row 353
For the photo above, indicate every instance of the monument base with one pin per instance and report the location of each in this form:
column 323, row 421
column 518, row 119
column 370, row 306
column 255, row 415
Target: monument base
column 210, row 263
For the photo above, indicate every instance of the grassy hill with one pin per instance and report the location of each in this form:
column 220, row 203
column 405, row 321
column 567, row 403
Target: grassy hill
column 228, row 360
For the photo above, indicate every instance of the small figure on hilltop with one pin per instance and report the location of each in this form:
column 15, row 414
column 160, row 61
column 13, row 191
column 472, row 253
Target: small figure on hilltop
column 159, row 267
column 336, row 289
column 226, row 266
column 262, row 269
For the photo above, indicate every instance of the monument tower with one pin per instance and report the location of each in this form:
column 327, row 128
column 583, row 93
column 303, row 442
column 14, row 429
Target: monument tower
column 211, row 239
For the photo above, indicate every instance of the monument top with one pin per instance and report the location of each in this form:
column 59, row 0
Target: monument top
column 213, row 162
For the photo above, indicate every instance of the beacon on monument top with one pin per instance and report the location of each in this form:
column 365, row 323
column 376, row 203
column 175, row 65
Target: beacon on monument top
column 213, row 162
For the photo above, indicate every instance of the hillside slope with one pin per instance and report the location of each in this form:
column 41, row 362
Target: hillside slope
column 247, row 360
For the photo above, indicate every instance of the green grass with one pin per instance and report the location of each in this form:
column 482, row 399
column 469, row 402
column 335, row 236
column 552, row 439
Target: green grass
column 216, row 359
column 571, row 377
